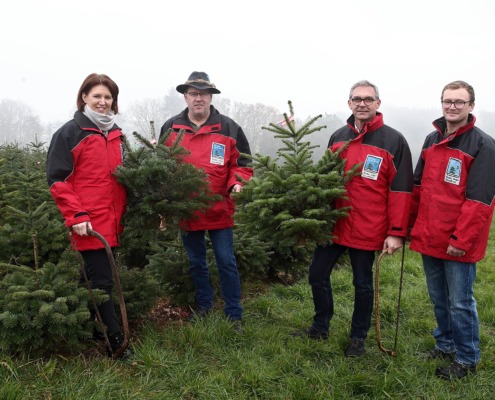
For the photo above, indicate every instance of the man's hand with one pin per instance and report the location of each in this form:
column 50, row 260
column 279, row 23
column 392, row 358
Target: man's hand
column 454, row 251
column 235, row 189
column 392, row 243
column 82, row 228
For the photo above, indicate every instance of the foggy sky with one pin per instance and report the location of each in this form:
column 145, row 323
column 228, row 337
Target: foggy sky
column 309, row 52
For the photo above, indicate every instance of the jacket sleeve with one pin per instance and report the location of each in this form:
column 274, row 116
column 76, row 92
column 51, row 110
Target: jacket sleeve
column 59, row 170
column 477, row 210
column 240, row 165
column 400, row 193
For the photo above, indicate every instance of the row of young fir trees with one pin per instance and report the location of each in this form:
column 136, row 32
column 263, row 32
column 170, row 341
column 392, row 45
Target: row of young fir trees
column 283, row 211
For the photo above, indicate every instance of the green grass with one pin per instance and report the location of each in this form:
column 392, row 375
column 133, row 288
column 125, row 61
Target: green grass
column 207, row 360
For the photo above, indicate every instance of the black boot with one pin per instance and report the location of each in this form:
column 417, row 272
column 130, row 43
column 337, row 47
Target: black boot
column 116, row 342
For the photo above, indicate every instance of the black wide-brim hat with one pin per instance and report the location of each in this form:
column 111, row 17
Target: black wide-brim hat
column 200, row 81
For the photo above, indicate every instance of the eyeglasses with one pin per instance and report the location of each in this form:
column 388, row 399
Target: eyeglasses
column 367, row 101
column 196, row 94
column 459, row 104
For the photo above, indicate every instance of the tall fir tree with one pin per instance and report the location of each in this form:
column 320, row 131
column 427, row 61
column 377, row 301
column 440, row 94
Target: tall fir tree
column 289, row 201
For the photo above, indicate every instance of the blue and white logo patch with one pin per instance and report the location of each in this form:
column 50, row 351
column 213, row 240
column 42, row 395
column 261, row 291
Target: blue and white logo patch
column 217, row 156
column 453, row 171
column 371, row 167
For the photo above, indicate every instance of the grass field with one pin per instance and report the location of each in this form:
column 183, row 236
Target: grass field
column 207, row 360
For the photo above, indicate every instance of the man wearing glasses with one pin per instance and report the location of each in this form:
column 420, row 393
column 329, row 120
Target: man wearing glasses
column 454, row 188
column 377, row 220
column 215, row 142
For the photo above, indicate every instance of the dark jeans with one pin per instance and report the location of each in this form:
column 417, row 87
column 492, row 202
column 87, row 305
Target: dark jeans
column 324, row 260
column 99, row 273
column 222, row 241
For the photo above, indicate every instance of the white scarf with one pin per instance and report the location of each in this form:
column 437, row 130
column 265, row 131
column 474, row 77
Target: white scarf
column 104, row 122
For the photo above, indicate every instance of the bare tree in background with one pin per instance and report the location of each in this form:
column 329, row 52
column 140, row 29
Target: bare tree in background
column 321, row 138
column 18, row 124
column 137, row 117
column 174, row 104
column 251, row 117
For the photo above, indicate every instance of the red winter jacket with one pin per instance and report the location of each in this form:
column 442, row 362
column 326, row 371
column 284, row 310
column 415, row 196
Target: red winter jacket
column 215, row 148
column 80, row 166
column 380, row 197
column 453, row 193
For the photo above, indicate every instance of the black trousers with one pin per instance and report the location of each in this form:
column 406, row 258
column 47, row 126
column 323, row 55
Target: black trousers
column 99, row 272
column 324, row 260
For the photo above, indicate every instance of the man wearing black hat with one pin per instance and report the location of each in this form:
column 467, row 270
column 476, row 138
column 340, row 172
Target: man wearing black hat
column 215, row 143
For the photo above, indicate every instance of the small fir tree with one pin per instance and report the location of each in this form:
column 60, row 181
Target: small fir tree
column 252, row 254
column 289, row 201
column 161, row 191
column 35, row 237
column 31, row 229
column 44, row 310
column 37, row 267
column 168, row 263
column 141, row 290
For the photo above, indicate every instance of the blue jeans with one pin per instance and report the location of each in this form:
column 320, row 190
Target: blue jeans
column 450, row 285
column 324, row 259
column 222, row 241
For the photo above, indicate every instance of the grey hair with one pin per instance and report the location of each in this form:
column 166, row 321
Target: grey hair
column 365, row 83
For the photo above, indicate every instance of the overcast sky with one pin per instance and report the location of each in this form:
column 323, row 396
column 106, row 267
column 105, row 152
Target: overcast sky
column 255, row 51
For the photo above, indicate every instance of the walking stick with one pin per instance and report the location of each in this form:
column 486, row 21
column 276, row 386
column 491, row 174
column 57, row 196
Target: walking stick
column 120, row 295
column 393, row 351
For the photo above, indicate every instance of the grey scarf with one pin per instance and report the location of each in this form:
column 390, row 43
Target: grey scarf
column 104, row 122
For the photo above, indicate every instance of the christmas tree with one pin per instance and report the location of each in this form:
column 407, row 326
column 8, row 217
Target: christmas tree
column 161, row 191
column 289, row 201
column 43, row 307
column 31, row 229
column 168, row 263
column 44, row 310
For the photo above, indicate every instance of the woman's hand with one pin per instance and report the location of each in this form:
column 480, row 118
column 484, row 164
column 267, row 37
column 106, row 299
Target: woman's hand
column 82, row 228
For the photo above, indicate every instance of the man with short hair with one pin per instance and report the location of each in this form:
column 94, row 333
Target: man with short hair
column 454, row 188
column 377, row 220
column 215, row 143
